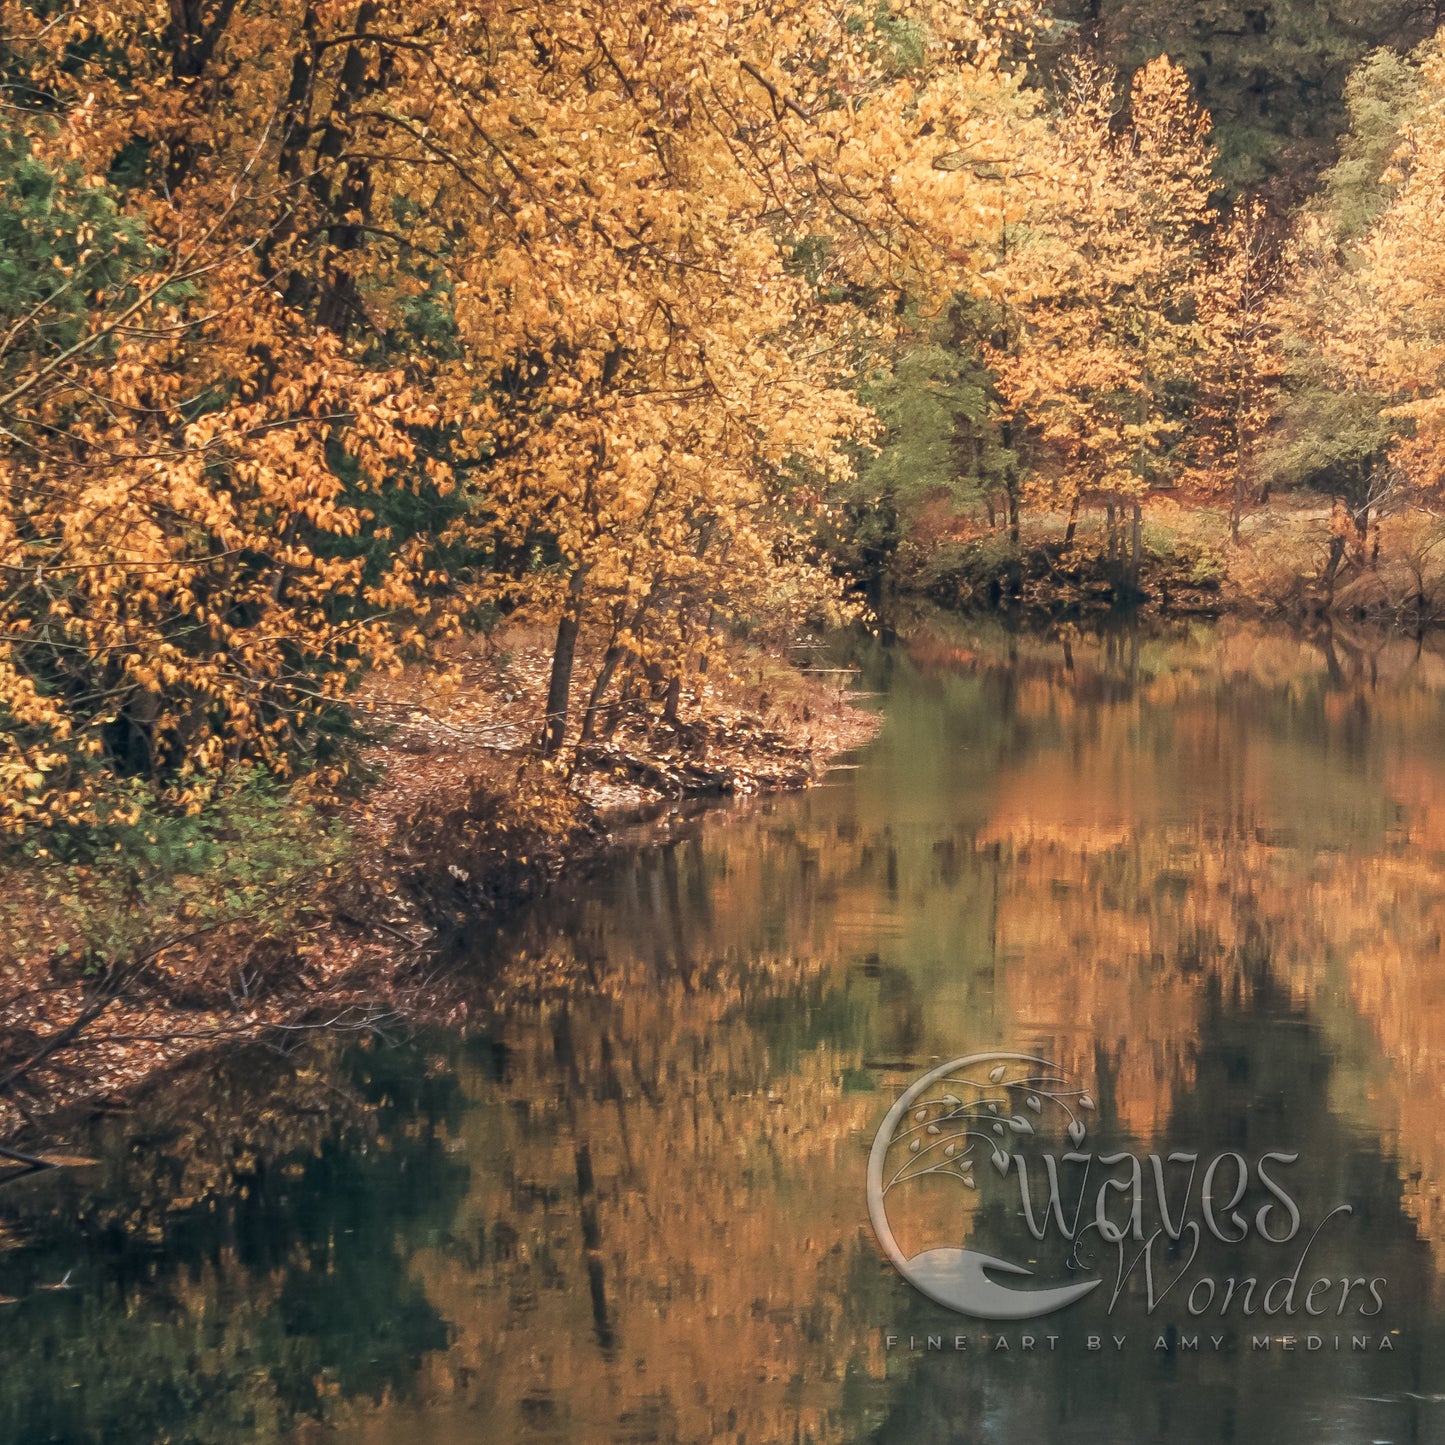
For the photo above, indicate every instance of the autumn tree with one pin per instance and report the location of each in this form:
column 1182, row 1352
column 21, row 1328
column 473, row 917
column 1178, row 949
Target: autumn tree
column 1358, row 411
column 1397, row 344
column 1240, row 364
column 367, row 316
column 200, row 423
column 1103, row 331
column 716, row 368
column 336, row 325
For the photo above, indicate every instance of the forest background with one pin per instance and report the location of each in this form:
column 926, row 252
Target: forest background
column 340, row 339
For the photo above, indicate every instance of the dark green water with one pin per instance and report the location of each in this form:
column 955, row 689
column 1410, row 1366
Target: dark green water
column 1202, row 872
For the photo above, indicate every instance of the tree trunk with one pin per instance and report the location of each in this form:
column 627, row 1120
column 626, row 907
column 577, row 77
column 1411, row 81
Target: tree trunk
column 672, row 699
column 615, row 655
column 1073, row 523
column 350, row 194
column 1337, row 554
column 624, row 698
column 706, row 633
column 1010, row 483
column 610, row 661
column 554, row 724
column 1136, row 544
column 192, row 44
column 293, row 129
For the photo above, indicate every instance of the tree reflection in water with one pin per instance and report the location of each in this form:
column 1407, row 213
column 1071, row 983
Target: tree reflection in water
column 1203, row 867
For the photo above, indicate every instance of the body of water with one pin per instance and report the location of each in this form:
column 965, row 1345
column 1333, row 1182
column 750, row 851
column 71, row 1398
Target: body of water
column 1200, row 871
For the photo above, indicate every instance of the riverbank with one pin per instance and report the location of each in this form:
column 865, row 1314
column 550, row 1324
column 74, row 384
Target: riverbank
column 275, row 917
column 274, row 914
column 1296, row 558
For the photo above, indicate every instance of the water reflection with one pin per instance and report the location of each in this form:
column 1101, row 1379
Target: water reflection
column 1202, row 868
column 240, row 1259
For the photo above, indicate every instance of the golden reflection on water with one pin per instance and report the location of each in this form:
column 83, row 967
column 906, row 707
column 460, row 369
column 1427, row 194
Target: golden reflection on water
column 1088, row 846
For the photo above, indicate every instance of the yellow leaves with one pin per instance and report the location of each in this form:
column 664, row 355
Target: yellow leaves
column 151, row 556
column 598, row 212
column 1097, row 298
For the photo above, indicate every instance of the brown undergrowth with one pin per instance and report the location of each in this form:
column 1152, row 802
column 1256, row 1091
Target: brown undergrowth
column 104, row 983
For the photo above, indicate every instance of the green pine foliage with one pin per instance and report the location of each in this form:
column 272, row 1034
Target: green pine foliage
column 1272, row 73
column 61, row 242
column 1329, row 435
column 940, row 446
column 1379, row 96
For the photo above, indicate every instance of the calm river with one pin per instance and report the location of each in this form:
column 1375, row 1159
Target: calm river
column 1199, row 870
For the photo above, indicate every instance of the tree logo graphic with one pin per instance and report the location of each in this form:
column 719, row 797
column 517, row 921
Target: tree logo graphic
column 956, row 1119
